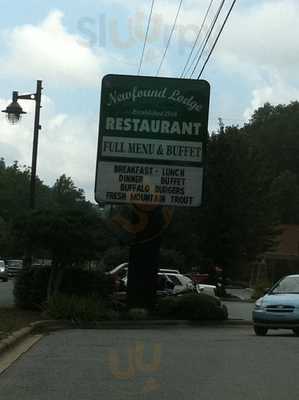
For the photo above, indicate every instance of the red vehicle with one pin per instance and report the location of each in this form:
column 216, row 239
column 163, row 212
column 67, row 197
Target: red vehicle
column 199, row 278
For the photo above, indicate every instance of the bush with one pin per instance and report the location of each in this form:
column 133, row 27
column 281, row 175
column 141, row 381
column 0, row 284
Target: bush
column 260, row 289
column 192, row 307
column 115, row 256
column 86, row 283
column 30, row 288
column 137, row 314
column 30, row 291
column 79, row 309
column 170, row 258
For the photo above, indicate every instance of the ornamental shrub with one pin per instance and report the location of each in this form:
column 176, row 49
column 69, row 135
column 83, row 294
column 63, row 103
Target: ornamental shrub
column 30, row 288
column 79, row 309
column 191, row 307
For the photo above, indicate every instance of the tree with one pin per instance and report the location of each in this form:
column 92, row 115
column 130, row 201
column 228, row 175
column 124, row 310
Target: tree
column 14, row 190
column 237, row 223
column 285, row 193
column 66, row 194
column 115, row 256
column 275, row 131
column 68, row 238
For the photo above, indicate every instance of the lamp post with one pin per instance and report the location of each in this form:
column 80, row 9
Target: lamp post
column 14, row 112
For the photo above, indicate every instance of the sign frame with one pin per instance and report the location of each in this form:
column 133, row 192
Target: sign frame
column 131, row 108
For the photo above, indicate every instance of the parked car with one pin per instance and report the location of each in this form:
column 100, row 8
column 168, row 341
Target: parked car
column 178, row 283
column 279, row 307
column 181, row 282
column 123, row 268
column 120, row 272
column 3, row 271
column 14, row 267
column 207, row 289
column 199, row 278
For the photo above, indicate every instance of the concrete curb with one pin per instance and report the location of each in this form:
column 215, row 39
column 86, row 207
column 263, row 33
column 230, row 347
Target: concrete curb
column 13, row 339
column 54, row 325
column 47, row 326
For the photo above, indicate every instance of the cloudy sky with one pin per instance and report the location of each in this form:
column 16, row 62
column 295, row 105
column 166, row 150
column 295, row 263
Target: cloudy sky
column 71, row 45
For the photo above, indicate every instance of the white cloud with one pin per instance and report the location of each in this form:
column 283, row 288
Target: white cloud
column 259, row 45
column 275, row 92
column 67, row 144
column 266, row 35
column 50, row 52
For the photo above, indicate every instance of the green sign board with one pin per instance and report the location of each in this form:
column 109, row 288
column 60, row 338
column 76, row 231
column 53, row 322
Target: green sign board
column 152, row 141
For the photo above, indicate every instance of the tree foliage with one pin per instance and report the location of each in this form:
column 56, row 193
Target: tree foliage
column 252, row 186
column 64, row 225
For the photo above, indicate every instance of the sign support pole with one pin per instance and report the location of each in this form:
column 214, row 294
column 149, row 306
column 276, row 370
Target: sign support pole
column 142, row 274
column 144, row 263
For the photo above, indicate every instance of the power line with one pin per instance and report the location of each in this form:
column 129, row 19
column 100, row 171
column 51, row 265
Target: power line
column 146, row 36
column 207, row 37
column 197, row 37
column 170, row 37
column 217, row 38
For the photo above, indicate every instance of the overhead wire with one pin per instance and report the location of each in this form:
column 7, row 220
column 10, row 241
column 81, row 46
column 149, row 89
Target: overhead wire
column 170, row 37
column 146, row 37
column 203, row 46
column 217, row 38
column 197, row 38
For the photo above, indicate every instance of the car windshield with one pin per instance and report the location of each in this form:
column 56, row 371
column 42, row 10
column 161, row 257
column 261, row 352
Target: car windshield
column 174, row 279
column 290, row 284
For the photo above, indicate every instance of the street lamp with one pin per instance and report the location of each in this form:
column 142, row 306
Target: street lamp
column 14, row 113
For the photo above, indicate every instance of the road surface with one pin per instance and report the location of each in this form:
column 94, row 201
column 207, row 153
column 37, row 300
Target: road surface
column 187, row 363
column 239, row 310
column 6, row 294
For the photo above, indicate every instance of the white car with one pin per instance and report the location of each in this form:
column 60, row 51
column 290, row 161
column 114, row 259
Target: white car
column 14, row 267
column 211, row 290
column 122, row 270
column 182, row 283
column 3, row 271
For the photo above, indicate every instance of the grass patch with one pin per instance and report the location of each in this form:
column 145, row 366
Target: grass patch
column 13, row 319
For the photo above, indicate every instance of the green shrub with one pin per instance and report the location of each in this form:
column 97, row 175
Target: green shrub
column 137, row 314
column 192, row 307
column 86, row 283
column 79, row 309
column 260, row 289
column 115, row 256
column 30, row 290
column 170, row 258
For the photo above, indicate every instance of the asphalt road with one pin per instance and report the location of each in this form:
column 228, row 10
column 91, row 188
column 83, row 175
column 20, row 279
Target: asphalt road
column 192, row 363
column 239, row 310
column 6, row 295
column 243, row 294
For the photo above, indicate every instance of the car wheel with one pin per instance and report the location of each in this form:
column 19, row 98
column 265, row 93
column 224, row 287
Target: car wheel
column 296, row 331
column 260, row 330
